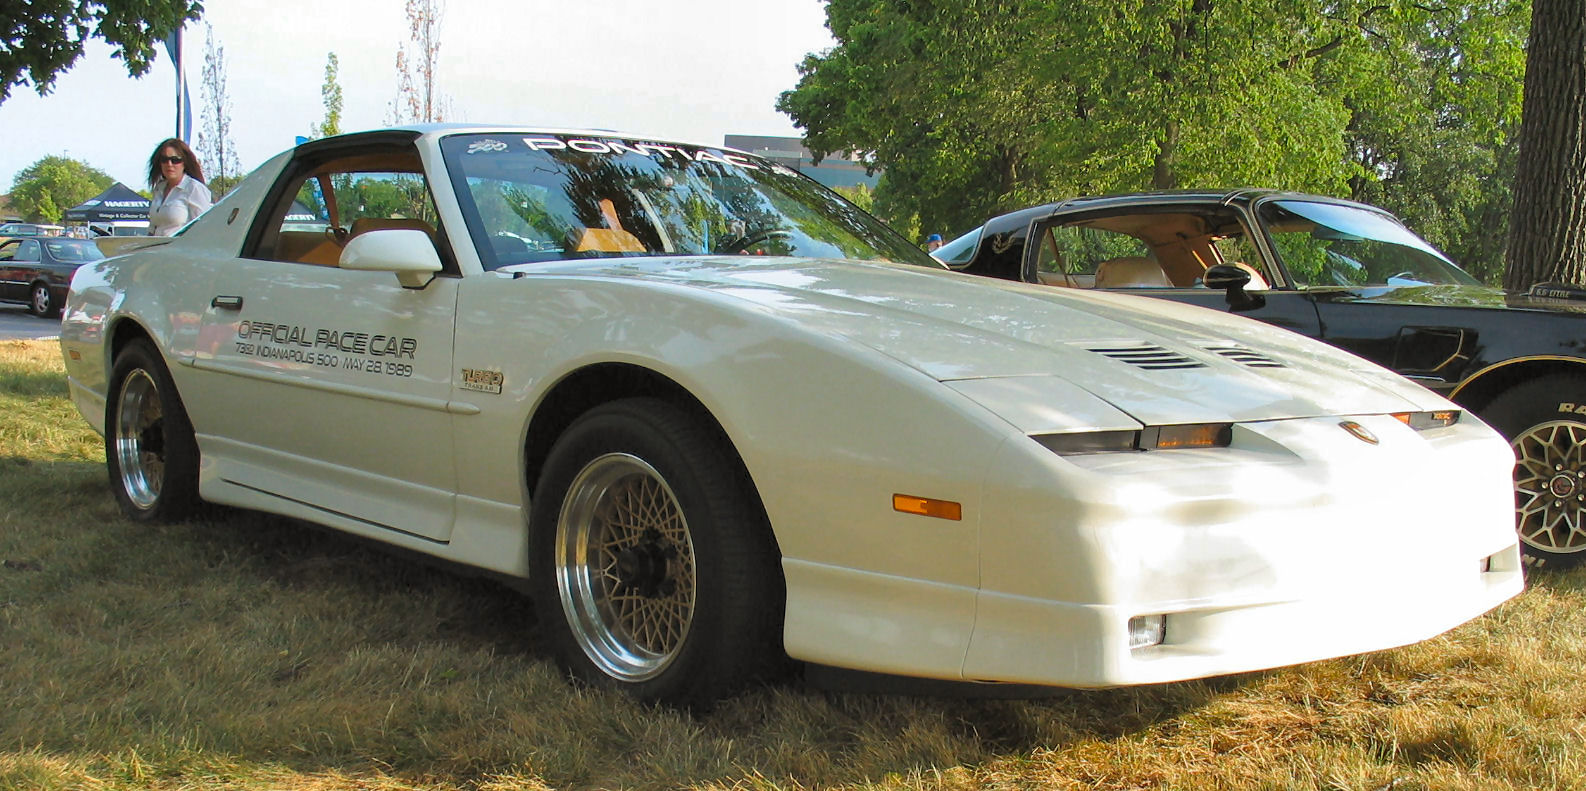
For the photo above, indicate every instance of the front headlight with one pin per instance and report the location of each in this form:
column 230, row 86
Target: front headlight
column 1193, row 435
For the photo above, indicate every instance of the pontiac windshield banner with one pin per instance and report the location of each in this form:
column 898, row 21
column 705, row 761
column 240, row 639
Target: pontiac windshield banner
column 370, row 352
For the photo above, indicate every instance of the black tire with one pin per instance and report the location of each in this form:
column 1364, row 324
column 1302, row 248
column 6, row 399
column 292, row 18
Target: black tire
column 42, row 302
column 150, row 452
column 681, row 601
column 1545, row 421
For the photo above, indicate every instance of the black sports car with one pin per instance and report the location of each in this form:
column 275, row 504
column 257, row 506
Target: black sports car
column 1351, row 275
column 36, row 271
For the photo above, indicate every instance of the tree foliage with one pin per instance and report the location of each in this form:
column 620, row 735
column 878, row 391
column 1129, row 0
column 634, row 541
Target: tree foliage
column 44, row 190
column 215, row 144
column 331, row 92
column 983, row 106
column 39, row 39
column 1548, row 241
column 416, row 61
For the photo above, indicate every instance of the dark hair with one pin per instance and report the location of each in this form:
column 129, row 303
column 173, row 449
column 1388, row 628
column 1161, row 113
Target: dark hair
column 190, row 164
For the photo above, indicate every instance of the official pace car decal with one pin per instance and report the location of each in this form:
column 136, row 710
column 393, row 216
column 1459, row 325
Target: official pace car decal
column 351, row 350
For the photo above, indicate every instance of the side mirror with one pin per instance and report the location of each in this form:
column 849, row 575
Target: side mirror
column 407, row 252
column 1232, row 279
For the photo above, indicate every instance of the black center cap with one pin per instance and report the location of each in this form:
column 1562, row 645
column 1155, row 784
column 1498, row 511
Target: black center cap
column 643, row 569
column 1562, row 485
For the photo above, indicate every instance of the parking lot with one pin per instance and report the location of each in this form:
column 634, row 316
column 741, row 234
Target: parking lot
column 16, row 324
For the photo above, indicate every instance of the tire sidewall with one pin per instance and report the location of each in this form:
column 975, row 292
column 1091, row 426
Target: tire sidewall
column 717, row 516
column 1557, row 397
column 179, row 487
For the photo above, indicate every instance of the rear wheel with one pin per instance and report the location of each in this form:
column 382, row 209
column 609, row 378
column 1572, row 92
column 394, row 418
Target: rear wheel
column 653, row 565
column 149, row 447
column 1545, row 421
column 41, row 302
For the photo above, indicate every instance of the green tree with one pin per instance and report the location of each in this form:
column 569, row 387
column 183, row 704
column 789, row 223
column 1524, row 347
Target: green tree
column 331, row 91
column 984, row 106
column 44, row 190
column 39, row 39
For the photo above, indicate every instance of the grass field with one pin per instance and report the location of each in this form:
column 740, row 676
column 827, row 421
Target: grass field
column 247, row 652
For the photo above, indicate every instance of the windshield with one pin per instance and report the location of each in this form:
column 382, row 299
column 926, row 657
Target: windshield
column 1328, row 244
column 554, row 197
column 75, row 250
column 959, row 252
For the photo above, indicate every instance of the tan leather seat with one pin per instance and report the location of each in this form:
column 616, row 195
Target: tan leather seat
column 1131, row 272
column 364, row 225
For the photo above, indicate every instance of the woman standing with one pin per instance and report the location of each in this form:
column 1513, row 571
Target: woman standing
column 176, row 188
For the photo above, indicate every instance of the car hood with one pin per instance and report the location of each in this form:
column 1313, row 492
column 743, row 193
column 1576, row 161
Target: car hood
column 1160, row 362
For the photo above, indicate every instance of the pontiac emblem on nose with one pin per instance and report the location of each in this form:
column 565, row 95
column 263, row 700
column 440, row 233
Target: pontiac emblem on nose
column 1360, row 432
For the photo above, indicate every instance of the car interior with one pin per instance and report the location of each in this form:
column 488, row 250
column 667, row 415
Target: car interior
column 1142, row 250
column 352, row 196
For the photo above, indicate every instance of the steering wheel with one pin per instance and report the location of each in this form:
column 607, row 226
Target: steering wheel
column 749, row 240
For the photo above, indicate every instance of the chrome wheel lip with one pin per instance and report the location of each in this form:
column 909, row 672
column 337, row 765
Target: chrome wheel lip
column 138, row 413
column 1550, row 486
column 611, row 505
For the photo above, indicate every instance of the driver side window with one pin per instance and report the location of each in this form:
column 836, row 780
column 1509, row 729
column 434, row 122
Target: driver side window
column 334, row 204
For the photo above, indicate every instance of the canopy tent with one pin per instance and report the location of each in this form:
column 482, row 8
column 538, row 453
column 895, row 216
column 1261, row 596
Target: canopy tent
column 116, row 203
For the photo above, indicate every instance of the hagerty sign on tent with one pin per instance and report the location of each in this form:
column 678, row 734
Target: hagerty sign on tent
column 116, row 203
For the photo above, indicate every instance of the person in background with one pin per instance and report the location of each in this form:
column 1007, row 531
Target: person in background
column 932, row 242
column 176, row 187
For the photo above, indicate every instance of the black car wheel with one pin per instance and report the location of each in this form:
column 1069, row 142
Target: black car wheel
column 653, row 565
column 149, row 447
column 1545, row 421
column 41, row 302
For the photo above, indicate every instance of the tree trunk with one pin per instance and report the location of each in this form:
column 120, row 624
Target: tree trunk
column 1547, row 232
column 1164, row 170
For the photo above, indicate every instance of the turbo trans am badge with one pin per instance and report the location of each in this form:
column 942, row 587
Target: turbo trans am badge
column 480, row 380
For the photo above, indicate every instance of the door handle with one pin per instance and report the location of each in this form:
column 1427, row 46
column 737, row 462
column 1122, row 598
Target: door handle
column 226, row 303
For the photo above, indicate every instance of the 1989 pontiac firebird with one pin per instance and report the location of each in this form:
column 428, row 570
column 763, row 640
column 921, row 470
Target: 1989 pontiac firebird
column 713, row 415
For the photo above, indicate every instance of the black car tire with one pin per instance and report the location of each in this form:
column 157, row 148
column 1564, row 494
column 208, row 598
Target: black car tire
column 653, row 566
column 41, row 301
column 1545, row 421
column 150, row 452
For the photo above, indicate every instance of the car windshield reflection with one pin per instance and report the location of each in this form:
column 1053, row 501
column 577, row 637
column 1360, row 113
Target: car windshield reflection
column 1327, row 244
column 555, row 198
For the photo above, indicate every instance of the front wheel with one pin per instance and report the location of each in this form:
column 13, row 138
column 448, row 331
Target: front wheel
column 1545, row 421
column 41, row 302
column 149, row 447
column 653, row 565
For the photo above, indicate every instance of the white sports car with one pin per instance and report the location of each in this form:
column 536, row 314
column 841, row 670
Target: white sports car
column 714, row 415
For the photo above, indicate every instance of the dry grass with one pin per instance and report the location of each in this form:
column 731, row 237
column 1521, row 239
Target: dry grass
column 246, row 652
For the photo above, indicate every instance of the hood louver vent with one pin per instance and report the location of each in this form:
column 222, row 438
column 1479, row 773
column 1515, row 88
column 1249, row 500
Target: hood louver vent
column 1246, row 357
column 1151, row 358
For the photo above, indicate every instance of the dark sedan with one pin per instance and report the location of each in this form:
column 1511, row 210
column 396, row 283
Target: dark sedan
column 1351, row 275
column 36, row 272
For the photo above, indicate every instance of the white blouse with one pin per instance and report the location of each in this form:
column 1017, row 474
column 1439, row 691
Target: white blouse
column 170, row 209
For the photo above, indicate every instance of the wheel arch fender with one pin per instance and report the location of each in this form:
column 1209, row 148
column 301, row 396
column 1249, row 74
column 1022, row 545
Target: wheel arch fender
column 1478, row 390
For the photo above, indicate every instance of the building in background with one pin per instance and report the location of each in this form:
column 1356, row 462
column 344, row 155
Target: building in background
column 836, row 170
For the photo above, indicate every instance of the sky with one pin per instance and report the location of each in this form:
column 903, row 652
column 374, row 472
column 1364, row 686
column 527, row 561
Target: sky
column 692, row 71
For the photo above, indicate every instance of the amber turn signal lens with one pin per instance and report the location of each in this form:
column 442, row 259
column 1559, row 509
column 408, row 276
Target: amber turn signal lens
column 925, row 506
column 1421, row 421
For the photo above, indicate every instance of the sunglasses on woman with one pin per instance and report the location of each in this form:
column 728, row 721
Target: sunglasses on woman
column 172, row 160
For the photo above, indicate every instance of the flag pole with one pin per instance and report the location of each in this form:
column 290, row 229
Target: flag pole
column 177, row 56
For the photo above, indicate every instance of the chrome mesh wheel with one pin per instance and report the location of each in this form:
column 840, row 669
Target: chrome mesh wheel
column 139, row 439
column 625, row 567
column 1550, row 486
